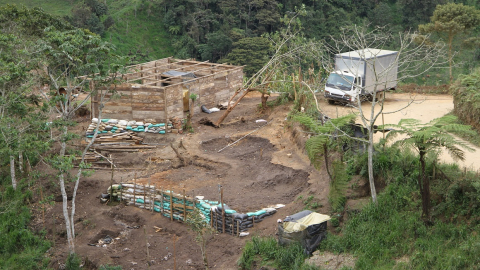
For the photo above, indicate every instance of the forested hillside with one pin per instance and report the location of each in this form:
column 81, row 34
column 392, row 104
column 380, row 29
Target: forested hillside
column 227, row 30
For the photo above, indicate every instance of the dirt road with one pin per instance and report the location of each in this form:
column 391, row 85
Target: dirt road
column 399, row 106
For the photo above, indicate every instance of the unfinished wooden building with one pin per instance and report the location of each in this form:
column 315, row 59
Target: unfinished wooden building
column 160, row 90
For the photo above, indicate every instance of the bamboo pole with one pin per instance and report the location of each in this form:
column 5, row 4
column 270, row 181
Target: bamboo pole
column 111, row 179
column 223, row 210
column 153, row 196
column 161, row 202
column 184, row 207
column 238, row 228
column 135, row 189
column 144, row 195
column 171, row 205
column 211, row 218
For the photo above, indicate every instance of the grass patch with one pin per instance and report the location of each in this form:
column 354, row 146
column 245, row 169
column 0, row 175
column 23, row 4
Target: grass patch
column 20, row 248
column 379, row 235
column 142, row 36
column 265, row 251
column 54, row 7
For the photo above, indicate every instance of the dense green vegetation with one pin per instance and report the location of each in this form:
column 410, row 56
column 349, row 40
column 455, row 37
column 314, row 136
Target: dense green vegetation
column 222, row 30
column 392, row 233
column 20, row 248
column 266, row 252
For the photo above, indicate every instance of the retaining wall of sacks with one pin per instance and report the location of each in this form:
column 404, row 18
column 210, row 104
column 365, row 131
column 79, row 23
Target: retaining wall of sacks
column 177, row 206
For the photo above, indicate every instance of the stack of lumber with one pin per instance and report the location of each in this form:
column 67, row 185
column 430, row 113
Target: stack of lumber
column 89, row 157
column 122, row 142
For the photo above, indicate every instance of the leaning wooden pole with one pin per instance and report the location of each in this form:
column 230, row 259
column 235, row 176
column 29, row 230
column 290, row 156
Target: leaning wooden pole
column 231, row 107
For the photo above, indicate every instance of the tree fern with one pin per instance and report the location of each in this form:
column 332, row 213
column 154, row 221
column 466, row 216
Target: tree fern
column 317, row 146
column 429, row 137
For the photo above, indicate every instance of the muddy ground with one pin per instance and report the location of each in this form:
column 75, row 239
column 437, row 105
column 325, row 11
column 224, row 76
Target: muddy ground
column 265, row 168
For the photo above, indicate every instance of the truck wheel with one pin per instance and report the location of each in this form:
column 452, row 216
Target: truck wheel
column 331, row 102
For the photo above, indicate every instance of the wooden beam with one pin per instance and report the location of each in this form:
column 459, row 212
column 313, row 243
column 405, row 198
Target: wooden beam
column 166, row 64
column 179, row 76
column 201, row 77
column 157, row 74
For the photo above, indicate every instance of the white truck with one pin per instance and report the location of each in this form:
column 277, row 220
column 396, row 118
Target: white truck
column 361, row 74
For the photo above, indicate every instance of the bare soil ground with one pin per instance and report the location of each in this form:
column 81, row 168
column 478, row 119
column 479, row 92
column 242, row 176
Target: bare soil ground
column 265, row 168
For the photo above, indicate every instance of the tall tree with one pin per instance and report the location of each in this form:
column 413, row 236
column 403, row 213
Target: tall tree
column 414, row 58
column 253, row 52
column 452, row 20
column 75, row 59
column 20, row 115
column 428, row 138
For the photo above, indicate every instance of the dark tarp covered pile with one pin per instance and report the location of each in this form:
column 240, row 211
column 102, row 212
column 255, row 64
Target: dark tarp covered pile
column 306, row 227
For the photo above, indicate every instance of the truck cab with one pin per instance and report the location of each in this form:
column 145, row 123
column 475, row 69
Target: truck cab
column 343, row 86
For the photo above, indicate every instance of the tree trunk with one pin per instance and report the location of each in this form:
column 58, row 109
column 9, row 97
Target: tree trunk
column 264, row 101
column 450, row 54
column 371, row 179
column 20, row 161
column 68, row 221
column 12, row 172
column 426, row 188
column 325, row 154
column 204, row 252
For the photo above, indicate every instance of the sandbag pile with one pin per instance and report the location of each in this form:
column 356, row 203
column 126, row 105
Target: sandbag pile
column 169, row 203
column 112, row 126
column 150, row 198
column 205, row 207
column 238, row 222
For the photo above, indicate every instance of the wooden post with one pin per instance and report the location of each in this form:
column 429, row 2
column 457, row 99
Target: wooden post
column 211, row 218
column 184, row 207
column 144, row 199
column 253, row 221
column 238, row 228
column 161, row 202
column 135, row 189
column 165, row 108
column 171, row 205
column 223, row 210
column 231, row 225
column 111, row 179
column 154, row 196
column 150, row 195
column 121, row 191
